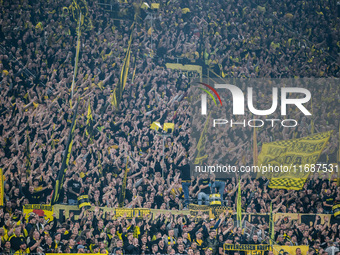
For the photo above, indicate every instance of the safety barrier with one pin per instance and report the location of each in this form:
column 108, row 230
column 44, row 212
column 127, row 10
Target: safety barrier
column 194, row 209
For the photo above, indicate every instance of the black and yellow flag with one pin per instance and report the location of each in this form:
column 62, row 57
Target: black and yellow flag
column 66, row 159
column 118, row 92
column 288, row 163
column 122, row 194
column 28, row 155
column 89, row 121
column 239, row 206
column 155, row 125
column 79, row 11
column 201, row 156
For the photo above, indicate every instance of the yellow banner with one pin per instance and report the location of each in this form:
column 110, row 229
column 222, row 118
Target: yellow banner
column 154, row 6
column 305, row 218
column 196, row 208
column 189, row 70
column 213, row 211
column 284, row 216
column 286, row 160
column 246, row 247
column 45, row 211
column 58, row 208
column 66, row 253
column 1, row 188
column 115, row 212
column 280, row 250
column 130, row 213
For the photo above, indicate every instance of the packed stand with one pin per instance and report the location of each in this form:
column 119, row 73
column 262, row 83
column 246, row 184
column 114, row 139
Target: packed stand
column 233, row 39
column 93, row 232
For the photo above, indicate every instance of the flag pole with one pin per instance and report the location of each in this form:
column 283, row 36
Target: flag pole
column 239, row 206
column 76, row 59
column 339, row 156
column 255, row 150
column 271, row 226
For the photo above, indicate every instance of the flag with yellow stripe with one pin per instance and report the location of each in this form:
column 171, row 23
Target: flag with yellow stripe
column 200, row 156
column 288, row 163
column 155, row 125
column 89, row 121
column 239, row 206
column 66, row 159
column 118, row 91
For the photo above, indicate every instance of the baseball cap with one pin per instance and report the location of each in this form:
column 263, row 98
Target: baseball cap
column 80, row 247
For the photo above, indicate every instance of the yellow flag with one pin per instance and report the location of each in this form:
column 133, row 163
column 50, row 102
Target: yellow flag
column 239, row 206
column 185, row 10
column 118, row 92
column 150, row 31
column 277, row 249
column 89, row 121
column 168, row 127
column 66, row 158
column 154, row 6
column 155, row 125
column 288, row 163
column 200, row 156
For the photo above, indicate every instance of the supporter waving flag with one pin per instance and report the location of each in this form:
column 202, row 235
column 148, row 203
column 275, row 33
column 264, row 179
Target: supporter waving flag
column 80, row 14
column 66, row 159
column 118, row 92
column 89, row 122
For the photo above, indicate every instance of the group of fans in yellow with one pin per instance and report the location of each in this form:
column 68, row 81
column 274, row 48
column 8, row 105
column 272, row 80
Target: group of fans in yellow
column 96, row 144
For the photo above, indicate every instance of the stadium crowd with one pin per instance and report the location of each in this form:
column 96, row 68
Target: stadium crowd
column 93, row 232
column 240, row 39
